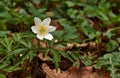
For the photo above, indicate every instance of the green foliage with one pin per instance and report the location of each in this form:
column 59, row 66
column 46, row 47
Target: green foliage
column 2, row 25
column 87, row 59
column 111, row 46
column 67, row 34
column 2, row 76
column 111, row 62
column 83, row 21
column 36, row 12
column 55, row 58
column 16, row 13
column 4, row 33
column 15, row 50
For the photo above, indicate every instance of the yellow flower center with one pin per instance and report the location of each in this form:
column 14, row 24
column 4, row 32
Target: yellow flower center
column 42, row 30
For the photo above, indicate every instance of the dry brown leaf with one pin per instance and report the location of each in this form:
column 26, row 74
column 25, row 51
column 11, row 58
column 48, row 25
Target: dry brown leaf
column 41, row 43
column 57, row 25
column 69, row 46
column 40, row 55
column 62, row 48
column 82, row 45
column 91, row 22
column 93, row 44
column 74, row 72
column 35, row 42
column 10, row 34
column 50, row 73
column 17, row 9
column 37, row 5
column 87, row 72
column 50, row 13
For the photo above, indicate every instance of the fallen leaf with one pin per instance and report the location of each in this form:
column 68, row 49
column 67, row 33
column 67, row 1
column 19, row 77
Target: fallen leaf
column 74, row 72
column 37, row 43
column 69, row 46
column 17, row 9
column 91, row 22
column 49, row 72
column 82, row 45
column 40, row 55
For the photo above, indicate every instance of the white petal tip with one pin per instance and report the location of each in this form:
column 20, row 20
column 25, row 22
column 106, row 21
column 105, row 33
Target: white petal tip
column 34, row 30
column 48, row 36
column 36, row 18
column 52, row 28
column 40, row 37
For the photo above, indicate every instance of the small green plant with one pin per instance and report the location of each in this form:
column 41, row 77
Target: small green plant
column 87, row 59
column 14, row 51
column 111, row 62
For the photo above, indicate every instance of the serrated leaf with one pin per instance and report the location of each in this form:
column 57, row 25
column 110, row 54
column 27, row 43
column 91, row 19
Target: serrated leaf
column 64, row 54
column 56, row 58
column 11, row 69
column 17, row 51
column 7, row 43
column 31, row 56
column 21, row 59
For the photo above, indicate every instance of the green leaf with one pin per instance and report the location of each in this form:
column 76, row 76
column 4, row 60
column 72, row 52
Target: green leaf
column 70, row 3
column 3, row 65
column 7, row 43
column 109, row 34
column 56, row 58
column 17, row 51
column 21, row 59
column 72, row 13
column 74, row 55
column 88, row 62
column 70, row 36
column 70, row 29
column 66, row 55
column 111, row 46
column 26, row 44
column 4, row 33
column 11, row 69
column 2, row 75
column 3, row 25
column 31, row 56
column 58, row 34
column 17, row 36
column 100, row 63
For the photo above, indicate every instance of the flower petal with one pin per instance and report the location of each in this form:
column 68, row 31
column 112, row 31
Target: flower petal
column 51, row 28
column 48, row 36
column 37, row 21
column 34, row 29
column 46, row 22
column 40, row 37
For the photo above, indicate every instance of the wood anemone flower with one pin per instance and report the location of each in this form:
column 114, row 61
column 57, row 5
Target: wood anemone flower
column 43, row 28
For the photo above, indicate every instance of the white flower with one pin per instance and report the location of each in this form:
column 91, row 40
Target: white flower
column 42, row 28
